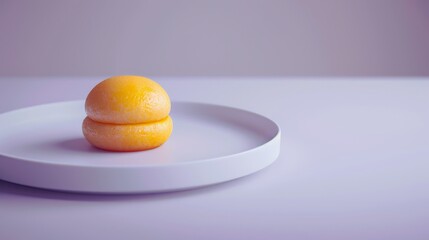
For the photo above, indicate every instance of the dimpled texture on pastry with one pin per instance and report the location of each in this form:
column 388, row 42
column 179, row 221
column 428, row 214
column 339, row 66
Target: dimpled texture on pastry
column 127, row 113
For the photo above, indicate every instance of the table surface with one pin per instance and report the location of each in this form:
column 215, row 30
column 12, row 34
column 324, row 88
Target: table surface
column 354, row 164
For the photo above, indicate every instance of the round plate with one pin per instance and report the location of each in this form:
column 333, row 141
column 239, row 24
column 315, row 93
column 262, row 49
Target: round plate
column 43, row 147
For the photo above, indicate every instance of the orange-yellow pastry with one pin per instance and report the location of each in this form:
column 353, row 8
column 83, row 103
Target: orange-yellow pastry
column 127, row 113
column 127, row 99
column 127, row 137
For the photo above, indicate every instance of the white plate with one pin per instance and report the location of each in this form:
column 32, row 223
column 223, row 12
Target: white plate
column 43, row 147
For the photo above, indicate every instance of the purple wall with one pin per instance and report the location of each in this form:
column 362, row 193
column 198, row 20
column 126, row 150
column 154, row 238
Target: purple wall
column 237, row 38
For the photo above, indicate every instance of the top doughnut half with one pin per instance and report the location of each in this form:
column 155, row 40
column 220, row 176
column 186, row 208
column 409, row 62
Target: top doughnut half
column 127, row 100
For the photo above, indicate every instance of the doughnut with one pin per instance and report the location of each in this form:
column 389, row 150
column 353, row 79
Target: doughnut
column 127, row 99
column 127, row 113
column 127, row 137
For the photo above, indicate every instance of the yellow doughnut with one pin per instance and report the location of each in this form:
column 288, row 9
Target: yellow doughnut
column 127, row 99
column 127, row 137
column 127, row 113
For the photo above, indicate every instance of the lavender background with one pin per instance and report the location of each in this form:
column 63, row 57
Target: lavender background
column 234, row 38
column 354, row 158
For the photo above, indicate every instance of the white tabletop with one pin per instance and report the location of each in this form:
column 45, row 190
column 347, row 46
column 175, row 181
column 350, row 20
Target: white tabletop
column 354, row 164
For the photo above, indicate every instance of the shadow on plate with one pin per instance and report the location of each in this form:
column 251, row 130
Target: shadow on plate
column 77, row 145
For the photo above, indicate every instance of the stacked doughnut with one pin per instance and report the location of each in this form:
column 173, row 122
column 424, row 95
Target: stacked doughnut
column 127, row 113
